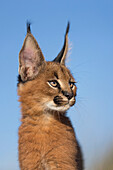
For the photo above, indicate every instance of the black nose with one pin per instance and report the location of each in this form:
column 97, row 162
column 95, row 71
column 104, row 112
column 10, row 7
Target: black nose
column 67, row 94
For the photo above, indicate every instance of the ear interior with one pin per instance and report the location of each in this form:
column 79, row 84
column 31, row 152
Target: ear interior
column 31, row 59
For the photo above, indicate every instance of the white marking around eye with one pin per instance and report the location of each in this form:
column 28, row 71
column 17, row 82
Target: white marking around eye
column 61, row 84
column 51, row 85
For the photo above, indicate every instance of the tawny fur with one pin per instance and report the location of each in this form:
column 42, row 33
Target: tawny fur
column 46, row 137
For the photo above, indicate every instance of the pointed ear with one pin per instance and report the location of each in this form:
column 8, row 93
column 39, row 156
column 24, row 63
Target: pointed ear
column 31, row 59
column 62, row 55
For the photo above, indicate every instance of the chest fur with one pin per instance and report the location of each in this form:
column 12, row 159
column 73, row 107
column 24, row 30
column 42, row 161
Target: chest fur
column 46, row 143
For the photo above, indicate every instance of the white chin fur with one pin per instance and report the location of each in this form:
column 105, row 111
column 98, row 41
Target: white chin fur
column 52, row 106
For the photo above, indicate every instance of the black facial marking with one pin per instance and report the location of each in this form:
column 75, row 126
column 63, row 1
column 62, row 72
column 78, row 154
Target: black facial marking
column 62, row 70
column 58, row 100
column 56, row 75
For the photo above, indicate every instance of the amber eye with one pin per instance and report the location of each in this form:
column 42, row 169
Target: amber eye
column 72, row 84
column 53, row 83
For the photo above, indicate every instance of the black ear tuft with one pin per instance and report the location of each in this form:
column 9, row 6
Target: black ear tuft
column 61, row 57
column 68, row 27
column 28, row 27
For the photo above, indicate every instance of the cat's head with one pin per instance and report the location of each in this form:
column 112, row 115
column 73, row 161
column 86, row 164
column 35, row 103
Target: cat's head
column 44, row 85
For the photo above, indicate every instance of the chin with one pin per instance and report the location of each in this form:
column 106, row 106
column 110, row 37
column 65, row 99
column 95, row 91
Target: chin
column 54, row 107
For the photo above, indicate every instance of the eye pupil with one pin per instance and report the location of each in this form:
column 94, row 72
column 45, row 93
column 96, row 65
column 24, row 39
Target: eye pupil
column 53, row 83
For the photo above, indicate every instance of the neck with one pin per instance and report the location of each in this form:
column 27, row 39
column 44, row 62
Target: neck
column 34, row 114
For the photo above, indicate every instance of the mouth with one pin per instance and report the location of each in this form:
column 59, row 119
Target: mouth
column 59, row 101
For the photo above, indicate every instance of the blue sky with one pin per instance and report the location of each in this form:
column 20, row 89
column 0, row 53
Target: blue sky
column 91, row 62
